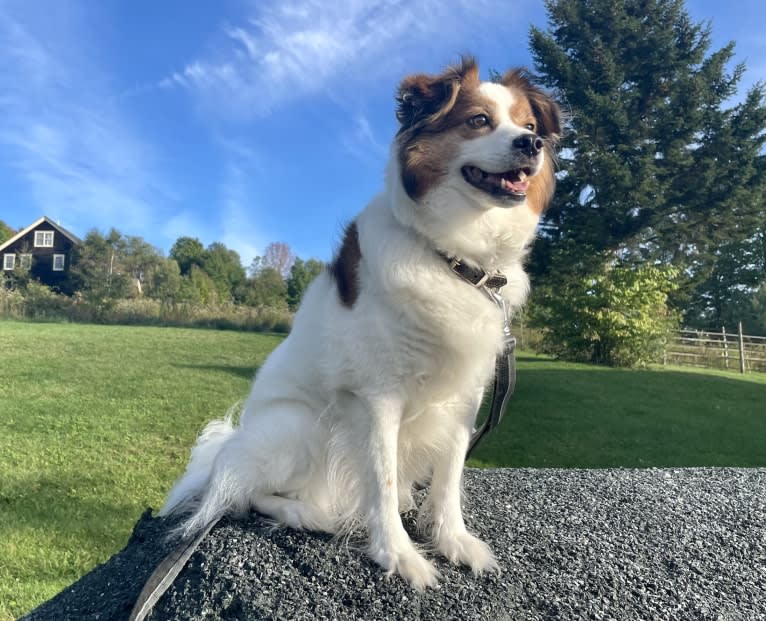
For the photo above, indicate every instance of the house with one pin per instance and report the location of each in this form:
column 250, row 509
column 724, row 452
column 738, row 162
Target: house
column 44, row 247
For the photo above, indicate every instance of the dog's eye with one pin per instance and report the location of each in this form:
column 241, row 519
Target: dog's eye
column 478, row 121
column 530, row 126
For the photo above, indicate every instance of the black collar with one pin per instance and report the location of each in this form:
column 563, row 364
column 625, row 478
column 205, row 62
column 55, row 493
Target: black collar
column 474, row 276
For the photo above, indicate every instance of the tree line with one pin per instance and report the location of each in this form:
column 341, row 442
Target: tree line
column 113, row 266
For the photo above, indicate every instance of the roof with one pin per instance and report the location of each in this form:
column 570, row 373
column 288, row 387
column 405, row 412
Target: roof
column 35, row 224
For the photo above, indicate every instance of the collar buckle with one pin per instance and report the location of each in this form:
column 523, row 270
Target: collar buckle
column 476, row 277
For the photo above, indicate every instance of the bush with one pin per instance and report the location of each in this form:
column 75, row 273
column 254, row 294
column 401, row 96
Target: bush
column 617, row 317
column 38, row 302
column 11, row 303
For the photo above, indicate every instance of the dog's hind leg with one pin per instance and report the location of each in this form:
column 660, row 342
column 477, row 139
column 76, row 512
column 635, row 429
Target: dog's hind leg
column 296, row 514
column 267, row 463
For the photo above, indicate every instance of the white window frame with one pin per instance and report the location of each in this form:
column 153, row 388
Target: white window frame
column 25, row 260
column 42, row 240
column 9, row 261
column 62, row 258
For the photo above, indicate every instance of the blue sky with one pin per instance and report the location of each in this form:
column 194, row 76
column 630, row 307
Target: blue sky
column 238, row 121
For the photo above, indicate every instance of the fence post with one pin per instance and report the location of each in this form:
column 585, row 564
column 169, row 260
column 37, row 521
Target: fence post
column 725, row 347
column 741, row 350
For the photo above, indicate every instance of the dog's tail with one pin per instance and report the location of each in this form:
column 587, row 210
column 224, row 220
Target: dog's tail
column 189, row 489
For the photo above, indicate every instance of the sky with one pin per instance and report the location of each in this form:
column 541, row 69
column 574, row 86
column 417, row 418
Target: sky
column 240, row 121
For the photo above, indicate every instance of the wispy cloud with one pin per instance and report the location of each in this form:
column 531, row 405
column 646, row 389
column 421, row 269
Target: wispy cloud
column 73, row 149
column 363, row 144
column 289, row 50
column 238, row 209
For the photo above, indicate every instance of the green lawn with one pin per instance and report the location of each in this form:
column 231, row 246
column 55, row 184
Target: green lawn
column 583, row 416
column 96, row 422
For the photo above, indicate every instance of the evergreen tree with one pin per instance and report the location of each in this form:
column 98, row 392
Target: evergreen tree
column 654, row 167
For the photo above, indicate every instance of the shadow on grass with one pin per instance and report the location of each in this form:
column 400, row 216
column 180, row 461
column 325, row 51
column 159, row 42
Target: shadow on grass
column 52, row 505
column 240, row 371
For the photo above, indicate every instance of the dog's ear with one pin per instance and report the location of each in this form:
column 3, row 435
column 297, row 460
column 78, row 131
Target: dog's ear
column 423, row 99
column 544, row 107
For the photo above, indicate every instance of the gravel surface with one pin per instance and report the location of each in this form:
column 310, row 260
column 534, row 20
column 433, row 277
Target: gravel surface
column 573, row 544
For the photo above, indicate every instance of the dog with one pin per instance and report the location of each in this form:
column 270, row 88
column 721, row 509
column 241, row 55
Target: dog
column 377, row 386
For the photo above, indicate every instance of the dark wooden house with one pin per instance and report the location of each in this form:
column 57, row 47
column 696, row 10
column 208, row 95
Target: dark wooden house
column 44, row 248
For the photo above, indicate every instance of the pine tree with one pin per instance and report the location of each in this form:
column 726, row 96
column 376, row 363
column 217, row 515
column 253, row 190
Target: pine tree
column 654, row 166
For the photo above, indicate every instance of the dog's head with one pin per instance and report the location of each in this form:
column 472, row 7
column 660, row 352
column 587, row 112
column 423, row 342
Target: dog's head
column 493, row 142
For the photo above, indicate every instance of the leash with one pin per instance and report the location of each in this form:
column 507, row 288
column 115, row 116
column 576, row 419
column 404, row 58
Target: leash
column 505, row 382
column 167, row 571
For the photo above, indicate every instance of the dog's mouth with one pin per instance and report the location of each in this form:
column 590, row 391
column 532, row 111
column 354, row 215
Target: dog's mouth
column 509, row 185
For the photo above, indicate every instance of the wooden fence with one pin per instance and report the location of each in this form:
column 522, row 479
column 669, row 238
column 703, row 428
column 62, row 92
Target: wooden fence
column 717, row 350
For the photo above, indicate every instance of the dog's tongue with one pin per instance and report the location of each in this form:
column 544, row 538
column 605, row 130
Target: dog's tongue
column 514, row 182
column 514, row 186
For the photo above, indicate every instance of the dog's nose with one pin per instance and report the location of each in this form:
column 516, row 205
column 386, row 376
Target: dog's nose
column 530, row 144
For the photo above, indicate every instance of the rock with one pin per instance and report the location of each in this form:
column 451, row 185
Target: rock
column 623, row 544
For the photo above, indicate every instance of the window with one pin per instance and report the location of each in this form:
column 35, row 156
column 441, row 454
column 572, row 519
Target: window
column 25, row 260
column 9, row 261
column 58, row 262
column 43, row 239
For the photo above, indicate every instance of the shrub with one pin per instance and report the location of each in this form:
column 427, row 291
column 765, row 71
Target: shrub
column 617, row 317
column 11, row 303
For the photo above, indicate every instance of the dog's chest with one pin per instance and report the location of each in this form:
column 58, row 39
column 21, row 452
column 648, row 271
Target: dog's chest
column 451, row 350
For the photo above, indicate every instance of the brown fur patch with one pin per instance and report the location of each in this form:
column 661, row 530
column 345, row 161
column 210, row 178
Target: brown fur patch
column 542, row 185
column 521, row 110
column 428, row 107
column 531, row 101
column 345, row 267
column 544, row 108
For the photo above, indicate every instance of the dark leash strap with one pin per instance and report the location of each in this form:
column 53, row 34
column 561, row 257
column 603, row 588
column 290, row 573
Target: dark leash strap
column 505, row 382
column 166, row 573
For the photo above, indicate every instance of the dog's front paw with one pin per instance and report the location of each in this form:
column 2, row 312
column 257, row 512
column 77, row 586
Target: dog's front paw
column 410, row 565
column 464, row 548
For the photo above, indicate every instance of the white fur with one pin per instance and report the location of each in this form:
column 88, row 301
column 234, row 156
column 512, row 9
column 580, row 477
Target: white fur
column 356, row 405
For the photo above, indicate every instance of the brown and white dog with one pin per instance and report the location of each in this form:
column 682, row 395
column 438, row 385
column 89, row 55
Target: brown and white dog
column 376, row 388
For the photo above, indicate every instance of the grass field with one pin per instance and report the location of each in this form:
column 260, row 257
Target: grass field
column 96, row 422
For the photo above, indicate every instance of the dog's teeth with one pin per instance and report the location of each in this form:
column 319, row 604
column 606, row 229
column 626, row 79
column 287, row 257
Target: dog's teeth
column 522, row 175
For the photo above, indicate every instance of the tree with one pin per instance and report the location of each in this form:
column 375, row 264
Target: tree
column 198, row 288
column 301, row 275
column 224, row 268
column 755, row 320
column 653, row 166
column 187, row 251
column 6, row 232
column 139, row 259
column 279, row 256
column 266, row 288
column 98, row 272
column 165, row 282
column 725, row 296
